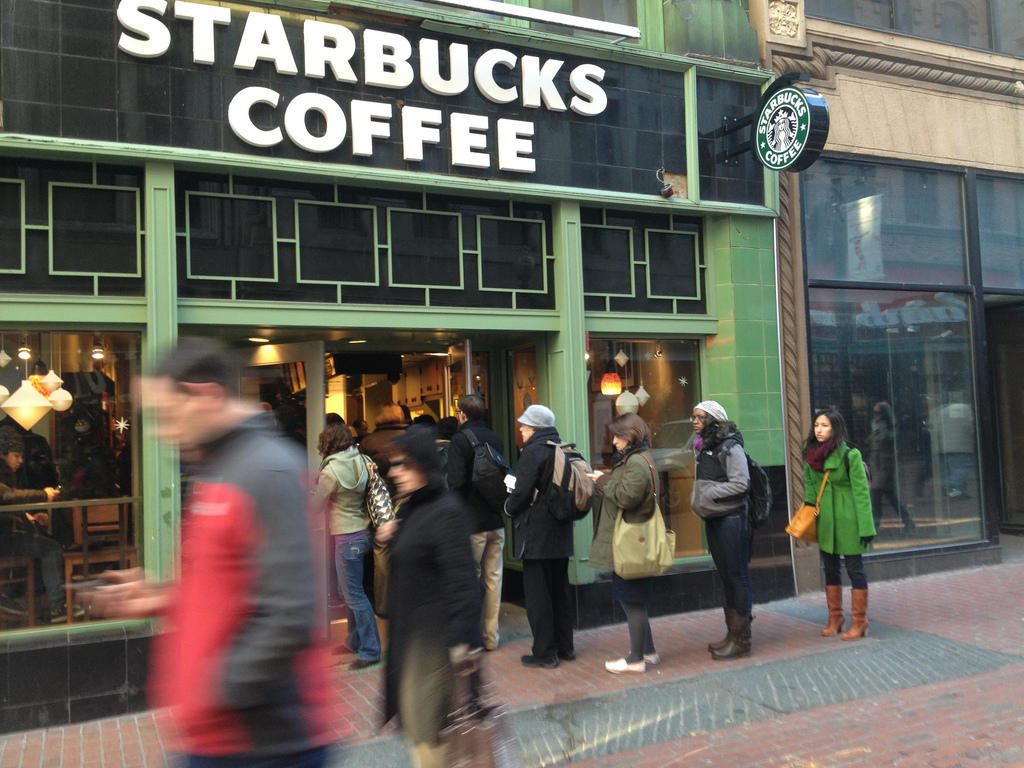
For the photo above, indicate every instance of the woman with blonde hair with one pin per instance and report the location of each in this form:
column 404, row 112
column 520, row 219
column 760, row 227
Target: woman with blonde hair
column 628, row 490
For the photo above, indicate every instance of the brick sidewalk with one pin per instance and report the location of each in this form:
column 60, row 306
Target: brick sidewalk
column 973, row 718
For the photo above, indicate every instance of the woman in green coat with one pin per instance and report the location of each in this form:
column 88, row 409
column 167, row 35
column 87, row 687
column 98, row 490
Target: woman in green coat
column 845, row 525
column 627, row 490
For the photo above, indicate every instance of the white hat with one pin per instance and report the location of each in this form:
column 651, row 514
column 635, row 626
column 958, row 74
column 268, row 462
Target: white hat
column 538, row 416
column 712, row 409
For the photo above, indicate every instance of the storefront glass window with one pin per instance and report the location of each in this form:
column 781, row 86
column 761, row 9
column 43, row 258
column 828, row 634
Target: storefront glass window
column 1001, row 226
column 959, row 22
column 898, row 366
column 657, row 380
column 78, row 442
column 879, row 223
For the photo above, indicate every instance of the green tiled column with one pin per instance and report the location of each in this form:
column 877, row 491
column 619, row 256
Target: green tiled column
column 160, row 476
column 741, row 361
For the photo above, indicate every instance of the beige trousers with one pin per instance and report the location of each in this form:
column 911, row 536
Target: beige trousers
column 488, row 554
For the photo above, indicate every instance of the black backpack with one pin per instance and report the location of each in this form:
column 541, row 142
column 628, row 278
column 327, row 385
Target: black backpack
column 488, row 473
column 759, row 492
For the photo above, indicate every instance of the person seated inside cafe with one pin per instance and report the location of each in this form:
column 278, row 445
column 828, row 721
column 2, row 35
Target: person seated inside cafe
column 24, row 534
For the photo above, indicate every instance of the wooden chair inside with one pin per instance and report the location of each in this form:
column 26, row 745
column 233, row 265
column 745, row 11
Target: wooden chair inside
column 15, row 569
column 83, row 565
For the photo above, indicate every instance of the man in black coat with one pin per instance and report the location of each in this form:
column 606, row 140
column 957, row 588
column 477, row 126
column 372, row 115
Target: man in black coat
column 544, row 543
column 488, row 537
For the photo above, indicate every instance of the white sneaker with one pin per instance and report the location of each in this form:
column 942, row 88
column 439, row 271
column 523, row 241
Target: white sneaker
column 652, row 659
column 621, row 665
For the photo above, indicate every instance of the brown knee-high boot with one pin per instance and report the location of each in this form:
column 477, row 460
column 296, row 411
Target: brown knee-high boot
column 859, row 622
column 834, row 597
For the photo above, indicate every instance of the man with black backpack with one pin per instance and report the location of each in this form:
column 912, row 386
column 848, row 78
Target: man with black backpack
column 488, row 540
column 545, row 541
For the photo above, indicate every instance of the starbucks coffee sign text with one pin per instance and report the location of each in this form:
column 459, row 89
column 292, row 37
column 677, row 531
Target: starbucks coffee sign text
column 319, row 123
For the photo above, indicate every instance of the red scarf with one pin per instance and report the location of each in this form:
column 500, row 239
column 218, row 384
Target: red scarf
column 817, row 454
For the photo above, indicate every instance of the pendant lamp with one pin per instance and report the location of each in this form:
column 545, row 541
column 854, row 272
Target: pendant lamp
column 642, row 395
column 626, row 403
column 611, row 384
column 60, row 399
column 51, row 381
column 26, row 406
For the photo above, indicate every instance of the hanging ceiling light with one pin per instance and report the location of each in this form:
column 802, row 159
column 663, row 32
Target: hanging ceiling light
column 626, row 403
column 26, row 406
column 611, row 384
column 24, row 352
column 4, row 357
column 60, row 399
column 642, row 395
column 97, row 349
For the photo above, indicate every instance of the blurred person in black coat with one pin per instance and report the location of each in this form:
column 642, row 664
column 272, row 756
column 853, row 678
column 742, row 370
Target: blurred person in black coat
column 433, row 597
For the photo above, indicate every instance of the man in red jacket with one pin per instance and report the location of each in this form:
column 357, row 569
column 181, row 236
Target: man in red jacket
column 241, row 664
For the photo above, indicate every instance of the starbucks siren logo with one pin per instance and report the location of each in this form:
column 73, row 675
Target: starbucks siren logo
column 782, row 129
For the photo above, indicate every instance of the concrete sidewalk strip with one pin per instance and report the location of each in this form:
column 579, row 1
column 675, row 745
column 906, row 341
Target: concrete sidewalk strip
column 650, row 713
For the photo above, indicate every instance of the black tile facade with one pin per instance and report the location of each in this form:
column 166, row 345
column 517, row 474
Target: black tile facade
column 67, row 677
column 61, row 58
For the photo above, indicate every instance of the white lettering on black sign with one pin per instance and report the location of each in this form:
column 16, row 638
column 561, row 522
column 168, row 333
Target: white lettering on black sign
column 329, row 51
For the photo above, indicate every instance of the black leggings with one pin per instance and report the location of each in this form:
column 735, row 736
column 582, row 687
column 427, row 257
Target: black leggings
column 640, row 639
column 854, row 569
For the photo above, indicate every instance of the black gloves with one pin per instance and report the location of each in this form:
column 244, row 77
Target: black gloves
column 865, row 540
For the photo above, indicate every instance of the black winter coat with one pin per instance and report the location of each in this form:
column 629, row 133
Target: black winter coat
column 540, row 536
column 433, row 592
column 460, row 474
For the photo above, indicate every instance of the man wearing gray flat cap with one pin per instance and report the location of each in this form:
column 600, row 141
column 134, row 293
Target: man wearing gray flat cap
column 544, row 543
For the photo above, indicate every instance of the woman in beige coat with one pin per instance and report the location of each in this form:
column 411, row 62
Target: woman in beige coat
column 628, row 490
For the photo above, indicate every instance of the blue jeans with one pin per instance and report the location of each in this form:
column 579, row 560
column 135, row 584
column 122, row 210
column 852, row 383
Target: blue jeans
column 37, row 545
column 349, row 551
column 314, row 758
column 729, row 542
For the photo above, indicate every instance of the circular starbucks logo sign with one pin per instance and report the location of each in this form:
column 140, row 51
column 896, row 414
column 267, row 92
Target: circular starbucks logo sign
column 791, row 129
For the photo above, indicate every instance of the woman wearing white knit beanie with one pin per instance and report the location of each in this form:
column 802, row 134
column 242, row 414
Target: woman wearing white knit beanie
column 719, row 496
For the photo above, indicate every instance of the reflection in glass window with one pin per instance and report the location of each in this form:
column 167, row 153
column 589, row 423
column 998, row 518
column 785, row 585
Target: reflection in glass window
column 880, row 223
column 83, row 446
column 657, row 380
column 958, row 22
column 898, row 366
column 1001, row 227
column 1008, row 27
column 615, row 11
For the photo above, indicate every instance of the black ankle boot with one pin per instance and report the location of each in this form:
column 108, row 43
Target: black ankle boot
column 738, row 644
column 725, row 640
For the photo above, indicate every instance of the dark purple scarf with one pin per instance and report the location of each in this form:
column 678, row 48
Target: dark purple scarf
column 817, row 454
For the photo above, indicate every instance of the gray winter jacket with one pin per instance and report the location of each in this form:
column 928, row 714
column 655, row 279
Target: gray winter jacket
column 721, row 478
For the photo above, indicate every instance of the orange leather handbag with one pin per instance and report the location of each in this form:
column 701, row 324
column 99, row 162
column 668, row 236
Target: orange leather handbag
column 804, row 523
